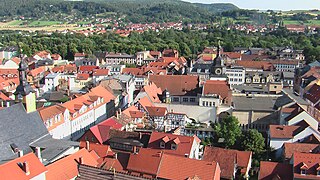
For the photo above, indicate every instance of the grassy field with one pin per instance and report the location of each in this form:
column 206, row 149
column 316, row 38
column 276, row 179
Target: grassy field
column 38, row 26
column 291, row 22
column 313, row 22
column 43, row 23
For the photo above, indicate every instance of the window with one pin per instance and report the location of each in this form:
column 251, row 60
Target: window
column 162, row 145
column 210, row 104
column 185, row 99
column 175, row 99
column 318, row 173
column 192, row 99
column 303, row 172
column 173, row 146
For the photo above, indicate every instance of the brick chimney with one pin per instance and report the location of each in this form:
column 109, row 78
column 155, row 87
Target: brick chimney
column 88, row 145
column 25, row 167
column 81, row 160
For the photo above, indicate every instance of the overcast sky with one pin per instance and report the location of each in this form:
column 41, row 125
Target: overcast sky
column 268, row 4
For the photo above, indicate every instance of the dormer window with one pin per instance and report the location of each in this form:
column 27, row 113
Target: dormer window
column 162, row 144
column 318, row 172
column 303, row 172
column 173, row 146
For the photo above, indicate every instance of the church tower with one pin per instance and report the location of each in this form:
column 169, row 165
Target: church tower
column 24, row 92
column 217, row 68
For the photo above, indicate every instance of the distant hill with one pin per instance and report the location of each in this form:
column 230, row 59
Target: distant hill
column 134, row 10
column 218, row 7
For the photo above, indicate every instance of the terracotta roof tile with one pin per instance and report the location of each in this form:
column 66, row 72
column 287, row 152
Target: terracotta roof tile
column 290, row 148
column 153, row 92
column 228, row 159
column 217, row 87
column 183, row 148
column 79, row 55
column 101, row 72
column 13, row 170
column 313, row 94
column 177, row 85
column 281, row 131
column 264, row 65
column 273, row 170
column 156, row 111
column 311, row 163
column 67, row 167
column 82, row 76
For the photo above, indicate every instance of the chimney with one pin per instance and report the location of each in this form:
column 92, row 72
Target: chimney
column 38, row 153
column 25, row 167
column 81, row 160
column 88, row 145
column 20, row 153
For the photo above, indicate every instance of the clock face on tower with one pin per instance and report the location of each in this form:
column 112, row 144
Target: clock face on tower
column 218, row 71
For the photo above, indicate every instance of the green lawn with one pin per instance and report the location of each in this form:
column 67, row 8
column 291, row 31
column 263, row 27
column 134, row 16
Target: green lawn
column 291, row 22
column 15, row 23
column 313, row 22
column 43, row 23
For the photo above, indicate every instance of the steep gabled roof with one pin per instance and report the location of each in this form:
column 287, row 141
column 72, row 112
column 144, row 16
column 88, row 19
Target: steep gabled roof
column 67, row 167
column 13, row 169
column 177, row 85
column 183, row 148
column 19, row 127
column 220, row 88
column 313, row 93
column 290, row 148
column 309, row 162
column 273, row 170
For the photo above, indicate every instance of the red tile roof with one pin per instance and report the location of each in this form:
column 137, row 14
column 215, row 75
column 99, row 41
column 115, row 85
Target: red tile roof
column 290, row 148
column 42, row 54
column 281, row 131
column 3, row 97
column 177, row 85
column 133, row 112
column 12, row 169
column 133, row 71
column 55, row 56
column 273, row 170
column 311, row 162
column 264, row 65
column 35, row 72
column 178, row 168
column 79, row 55
column 183, row 148
column 101, row 72
column 233, row 55
column 83, row 76
column 87, row 68
column 67, row 167
column 50, row 113
column 157, row 163
column 98, row 151
column 228, row 159
column 156, row 111
column 151, row 161
column 144, row 102
column 313, row 94
column 153, row 92
column 217, row 87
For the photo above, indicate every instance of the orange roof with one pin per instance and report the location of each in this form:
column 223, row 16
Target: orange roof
column 290, row 148
column 35, row 72
column 183, row 148
column 176, row 85
column 90, row 97
column 307, row 161
column 83, row 76
column 100, row 72
column 264, row 65
column 67, row 167
column 228, row 159
column 153, row 91
column 158, row 163
column 12, row 169
column 50, row 113
column 133, row 71
column 281, row 131
column 79, row 55
column 133, row 112
column 220, row 88
column 42, row 54
column 233, row 55
column 144, row 102
column 16, row 60
column 156, row 111
column 4, row 97
column 178, row 167
column 55, row 56
column 100, row 150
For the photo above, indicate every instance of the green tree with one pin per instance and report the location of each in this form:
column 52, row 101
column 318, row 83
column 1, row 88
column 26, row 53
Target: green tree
column 228, row 129
column 253, row 141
